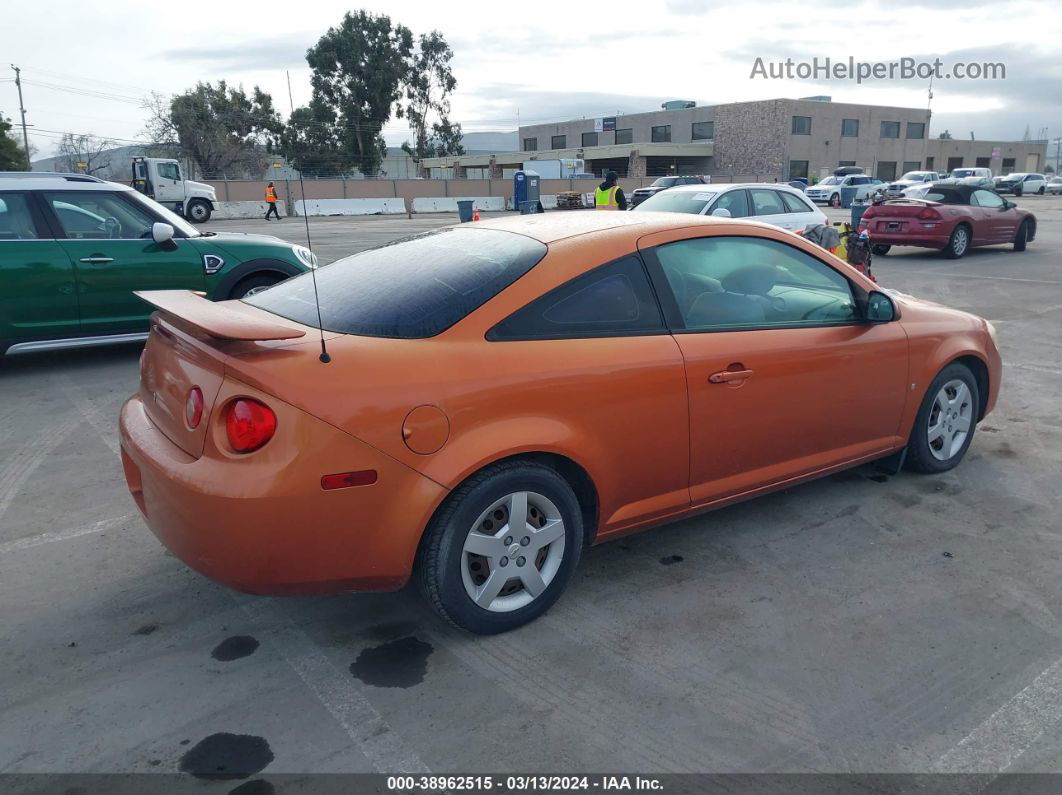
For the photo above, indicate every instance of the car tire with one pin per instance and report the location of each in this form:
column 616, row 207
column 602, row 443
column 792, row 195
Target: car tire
column 835, row 200
column 1018, row 192
column 1021, row 239
column 1041, row 191
column 249, row 285
column 486, row 593
column 198, row 211
column 880, row 250
column 958, row 243
column 946, row 421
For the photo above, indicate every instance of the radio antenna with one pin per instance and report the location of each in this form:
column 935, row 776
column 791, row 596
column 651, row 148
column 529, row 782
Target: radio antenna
column 324, row 357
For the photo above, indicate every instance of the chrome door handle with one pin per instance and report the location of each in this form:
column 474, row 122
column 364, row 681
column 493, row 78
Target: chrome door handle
column 96, row 260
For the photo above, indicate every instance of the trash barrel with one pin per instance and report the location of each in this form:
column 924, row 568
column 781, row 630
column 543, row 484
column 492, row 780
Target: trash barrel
column 858, row 208
column 464, row 210
column 848, row 196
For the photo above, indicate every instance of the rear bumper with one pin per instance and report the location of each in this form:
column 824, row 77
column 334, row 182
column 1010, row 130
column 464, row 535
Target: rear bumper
column 923, row 238
column 266, row 526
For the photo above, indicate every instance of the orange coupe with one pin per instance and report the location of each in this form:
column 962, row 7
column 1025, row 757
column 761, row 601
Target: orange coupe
column 503, row 394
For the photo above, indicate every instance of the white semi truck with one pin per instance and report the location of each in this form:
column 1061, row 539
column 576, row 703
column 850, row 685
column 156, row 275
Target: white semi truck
column 160, row 179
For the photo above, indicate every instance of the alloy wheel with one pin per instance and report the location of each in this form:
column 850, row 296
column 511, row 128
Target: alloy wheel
column 513, row 552
column 950, row 419
column 960, row 241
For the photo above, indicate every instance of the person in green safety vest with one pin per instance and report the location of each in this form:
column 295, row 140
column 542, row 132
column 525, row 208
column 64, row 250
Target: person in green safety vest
column 609, row 195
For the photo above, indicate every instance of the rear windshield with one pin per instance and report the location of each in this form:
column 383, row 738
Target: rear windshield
column 944, row 196
column 411, row 288
column 675, row 201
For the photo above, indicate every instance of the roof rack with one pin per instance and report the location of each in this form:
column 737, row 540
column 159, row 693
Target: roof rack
column 46, row 174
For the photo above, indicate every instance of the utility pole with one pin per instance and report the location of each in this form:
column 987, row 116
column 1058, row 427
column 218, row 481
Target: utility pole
column 22, row 110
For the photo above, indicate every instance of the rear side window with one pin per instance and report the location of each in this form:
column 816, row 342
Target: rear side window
column 794, row 203
column 944, row 196
column 613, row 300
column 413, row 288
column 16, row 222
column 767, row 202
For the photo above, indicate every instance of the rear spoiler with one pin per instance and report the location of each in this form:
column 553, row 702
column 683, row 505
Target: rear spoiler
column 229, row 320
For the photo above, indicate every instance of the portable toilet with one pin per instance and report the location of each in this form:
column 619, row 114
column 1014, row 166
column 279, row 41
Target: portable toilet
column 525, row 188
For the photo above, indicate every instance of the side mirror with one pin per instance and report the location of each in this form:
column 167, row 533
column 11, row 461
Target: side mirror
column 880, row 308
column 1008, row 205
column 722, row 212
column 161, row 233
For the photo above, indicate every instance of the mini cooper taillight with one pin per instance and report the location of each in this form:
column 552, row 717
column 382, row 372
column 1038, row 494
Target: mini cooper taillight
column 249, row 424
column 193, row 407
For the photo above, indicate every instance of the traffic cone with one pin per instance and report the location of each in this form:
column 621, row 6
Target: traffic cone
column 475, row 213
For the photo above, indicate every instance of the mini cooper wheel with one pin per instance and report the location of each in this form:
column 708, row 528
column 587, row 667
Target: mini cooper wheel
column 946, row 421
column 958, row 243
column 251, row 285
column 502, row 549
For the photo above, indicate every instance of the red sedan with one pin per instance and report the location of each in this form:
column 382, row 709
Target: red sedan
column 952, row 218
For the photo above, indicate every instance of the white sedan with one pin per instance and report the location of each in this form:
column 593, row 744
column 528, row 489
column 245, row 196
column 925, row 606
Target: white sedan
column 778, row 205
column 1054, row 186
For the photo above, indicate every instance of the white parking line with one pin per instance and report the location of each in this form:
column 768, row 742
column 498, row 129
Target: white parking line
column 61, row 535
column 17, row 469
column 1009, row 731
column 337, row 692
column 107, row 429
column 956, row 275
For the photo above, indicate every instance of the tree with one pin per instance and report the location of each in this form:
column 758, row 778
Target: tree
column 359, row 69
column 221, row 128
column 12, row 155
column 429, row 84
column 945, row 135
column 312, row 143
column 88, row 149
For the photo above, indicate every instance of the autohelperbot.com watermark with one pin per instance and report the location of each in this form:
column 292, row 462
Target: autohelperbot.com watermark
column 861, row 71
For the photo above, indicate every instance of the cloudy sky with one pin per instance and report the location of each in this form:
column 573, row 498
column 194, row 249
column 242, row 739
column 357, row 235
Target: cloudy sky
column 87, row 65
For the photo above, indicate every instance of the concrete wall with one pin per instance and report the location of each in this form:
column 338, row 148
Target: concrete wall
column 382, row 206
column 245, row 209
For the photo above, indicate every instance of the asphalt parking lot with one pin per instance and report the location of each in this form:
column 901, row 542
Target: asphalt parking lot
column 864, row 622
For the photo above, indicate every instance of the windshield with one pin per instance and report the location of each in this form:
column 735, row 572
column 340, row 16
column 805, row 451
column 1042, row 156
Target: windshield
column 915, row 175
column 1056, row 180
column 964, row 172
column 677, row 201
column 831, row 181
column 413, row 288
column 665, row 182
column 170, row 217
column 1013, row 177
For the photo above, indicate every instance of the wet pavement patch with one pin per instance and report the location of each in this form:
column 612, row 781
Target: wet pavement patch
column 147, row 629
column 672, row 559
column 397, row 663
column 258, row 786
column 227, row 755
column 234, row 648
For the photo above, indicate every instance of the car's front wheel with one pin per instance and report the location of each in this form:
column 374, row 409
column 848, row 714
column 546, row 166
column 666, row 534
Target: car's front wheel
column 503, row 548
column 946, row 420
column 250, row 285
column 198, row 211
column 880, row 250
column 1041, row 191
column 958, row 242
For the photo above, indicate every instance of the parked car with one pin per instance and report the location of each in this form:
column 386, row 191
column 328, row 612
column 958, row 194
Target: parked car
column 778, row 205
column 828, row 191
column 1054, row 185
column 593, row 375
column 1020, row 183
column 638, row 195
column 952, row 218
column 970, row 173
column 74, row 248
column 896, row 189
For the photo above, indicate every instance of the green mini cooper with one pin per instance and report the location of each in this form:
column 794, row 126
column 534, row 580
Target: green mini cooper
column 74, row 248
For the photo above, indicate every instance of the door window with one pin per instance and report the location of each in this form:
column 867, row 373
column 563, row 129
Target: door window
column 735, row 201
column 986, row 198
column 746, row 282
column 169, row 171
column 99, row 216
column 794, row 204
column 767, row 202
column 612, row 300
column 16, row 222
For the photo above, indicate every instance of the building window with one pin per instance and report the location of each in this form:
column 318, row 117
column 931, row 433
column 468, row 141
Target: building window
column 703, row 131
column 983, row 162
column 954, row 163
column 916, row 129
column 843, row 163
column 1008, row 165
column 558, row 142
column 912, row 165
column 530, row 144
column 801, row 125
column 798, row 168
column 886, row 170
column 930, row 163
column 661, row 134
column 890, row 129
column 849, row 128
column 625, row 136
column 589, row 139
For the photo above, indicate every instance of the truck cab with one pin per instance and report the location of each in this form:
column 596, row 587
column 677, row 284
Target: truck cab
column 161, row 179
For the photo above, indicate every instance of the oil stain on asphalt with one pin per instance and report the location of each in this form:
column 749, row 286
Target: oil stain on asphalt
column 258, row 786
column 234, row 648
column 397, row 663
column 227, row 756
column 672, row 559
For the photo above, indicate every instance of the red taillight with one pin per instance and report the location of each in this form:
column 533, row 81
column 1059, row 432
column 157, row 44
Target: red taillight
column 193, row 407
column 870, row 212
column 929, row 214
column 343, row 480
column 249, row 424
